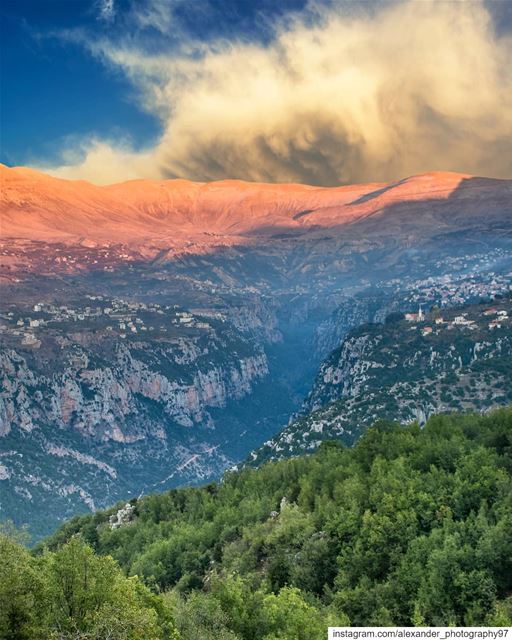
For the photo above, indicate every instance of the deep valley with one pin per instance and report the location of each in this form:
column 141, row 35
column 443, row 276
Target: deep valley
column 163, row 355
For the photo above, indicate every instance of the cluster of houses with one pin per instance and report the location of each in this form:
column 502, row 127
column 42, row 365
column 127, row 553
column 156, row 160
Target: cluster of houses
column 470, row 278
column 499, row 318
column 449, row 291
column 472, row 261
column 115, row 315
column 61, row 258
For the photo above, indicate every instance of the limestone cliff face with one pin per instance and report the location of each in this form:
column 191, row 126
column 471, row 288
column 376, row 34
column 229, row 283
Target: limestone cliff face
column 351, row 313
column 366, row 362
column 103, row 401
column 341, row 374
column 86, row 422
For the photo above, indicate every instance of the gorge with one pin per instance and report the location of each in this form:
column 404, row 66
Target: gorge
column 154, row 333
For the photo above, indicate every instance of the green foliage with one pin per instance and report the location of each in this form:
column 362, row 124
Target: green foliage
column 200, row 616
column 287, row 616
column 73, row 593
column 410, row 527
column 21, row 592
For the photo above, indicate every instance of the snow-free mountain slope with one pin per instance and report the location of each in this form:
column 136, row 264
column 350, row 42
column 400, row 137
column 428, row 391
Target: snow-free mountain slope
column 36, row 206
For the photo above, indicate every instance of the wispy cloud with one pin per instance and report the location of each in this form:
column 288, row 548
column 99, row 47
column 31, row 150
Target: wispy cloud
column 333, row 97
column 106, row 10
column 155, row 14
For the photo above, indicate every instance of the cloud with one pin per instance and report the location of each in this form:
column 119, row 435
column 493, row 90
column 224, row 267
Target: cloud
column 106, row 10
column 333, row 98
column 155, row 14
column 103, row 162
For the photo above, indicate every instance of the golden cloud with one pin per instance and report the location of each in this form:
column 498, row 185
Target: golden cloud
column 415, row 87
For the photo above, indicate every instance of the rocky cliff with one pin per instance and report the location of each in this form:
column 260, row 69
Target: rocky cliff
column 110, row 400
column 84, row 421
column 405, row 370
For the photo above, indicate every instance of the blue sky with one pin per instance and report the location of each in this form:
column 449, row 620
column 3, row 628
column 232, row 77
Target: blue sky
column 72, row 92
column 318, row 91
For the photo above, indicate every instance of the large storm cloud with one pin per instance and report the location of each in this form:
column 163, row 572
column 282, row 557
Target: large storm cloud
column 332, row 98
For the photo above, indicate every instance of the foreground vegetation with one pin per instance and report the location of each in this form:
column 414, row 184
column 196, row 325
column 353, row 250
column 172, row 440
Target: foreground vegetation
column 410, row 527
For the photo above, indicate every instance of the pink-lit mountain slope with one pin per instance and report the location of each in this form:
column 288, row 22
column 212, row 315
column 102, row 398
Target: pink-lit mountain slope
column 35, row 206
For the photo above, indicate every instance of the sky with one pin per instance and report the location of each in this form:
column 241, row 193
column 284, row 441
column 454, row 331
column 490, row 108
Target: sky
column 324, row 92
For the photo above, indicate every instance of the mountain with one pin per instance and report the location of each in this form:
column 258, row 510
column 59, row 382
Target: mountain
column 406, row 369
column 39, row 207
column 183, row 323
column 180, row 216
column 82, row 412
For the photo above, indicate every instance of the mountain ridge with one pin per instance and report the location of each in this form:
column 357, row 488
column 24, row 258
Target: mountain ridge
column 38, row 206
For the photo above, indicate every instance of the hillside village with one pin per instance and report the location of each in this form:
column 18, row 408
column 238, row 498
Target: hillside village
column 115, row 316
column 469, row 278
column 17, row 259
column 469, row 282
column 496, row 319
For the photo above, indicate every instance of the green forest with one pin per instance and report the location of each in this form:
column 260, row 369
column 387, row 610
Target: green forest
column 411, row 526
